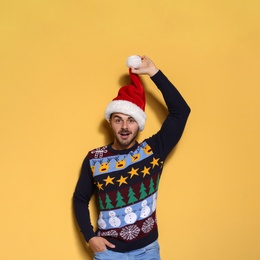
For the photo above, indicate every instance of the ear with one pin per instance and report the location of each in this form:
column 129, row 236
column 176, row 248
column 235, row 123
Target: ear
column 109, row 122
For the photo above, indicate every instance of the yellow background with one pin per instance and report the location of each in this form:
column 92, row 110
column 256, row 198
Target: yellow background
column 62, row 61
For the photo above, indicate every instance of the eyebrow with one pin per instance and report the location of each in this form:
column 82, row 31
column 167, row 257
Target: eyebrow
column 130, row 117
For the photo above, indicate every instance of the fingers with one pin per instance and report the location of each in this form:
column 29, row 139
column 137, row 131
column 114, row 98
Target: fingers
column 99, row 244
column 147, row 67
column 107, row 243
column 144, row 58
column 135, row 70
column 142, row 69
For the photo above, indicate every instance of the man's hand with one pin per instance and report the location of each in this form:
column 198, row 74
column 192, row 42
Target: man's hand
column 147, row 67
column 99, row 244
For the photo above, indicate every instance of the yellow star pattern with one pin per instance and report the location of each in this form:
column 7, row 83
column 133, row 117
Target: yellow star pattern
column 109, row 180
column 99, row 185
column 133, row 172
column 122, row 180
column 155, row 162
column 145, row 171
column 162, row 163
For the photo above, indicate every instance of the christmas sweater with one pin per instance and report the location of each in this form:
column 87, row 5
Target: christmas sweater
column 126, row 182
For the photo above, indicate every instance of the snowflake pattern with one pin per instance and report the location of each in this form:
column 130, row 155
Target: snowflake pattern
column 110, row 233
column 100, row 151
column 130, row 232
column 148, row 225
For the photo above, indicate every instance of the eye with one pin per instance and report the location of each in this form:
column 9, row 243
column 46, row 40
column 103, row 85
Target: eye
column 117, row 120
column 131, row 120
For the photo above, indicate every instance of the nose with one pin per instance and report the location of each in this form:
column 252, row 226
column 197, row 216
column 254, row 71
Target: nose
column 124, row 124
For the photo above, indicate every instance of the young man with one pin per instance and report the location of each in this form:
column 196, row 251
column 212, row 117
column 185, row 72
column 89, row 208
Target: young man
column 125, row 174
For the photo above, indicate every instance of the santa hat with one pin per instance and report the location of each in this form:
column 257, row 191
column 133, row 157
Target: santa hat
column 130, row 101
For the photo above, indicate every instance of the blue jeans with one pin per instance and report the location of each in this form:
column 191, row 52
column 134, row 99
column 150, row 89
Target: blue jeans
column 150, row 252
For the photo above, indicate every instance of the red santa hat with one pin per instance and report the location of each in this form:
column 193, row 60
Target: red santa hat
column 130, row 101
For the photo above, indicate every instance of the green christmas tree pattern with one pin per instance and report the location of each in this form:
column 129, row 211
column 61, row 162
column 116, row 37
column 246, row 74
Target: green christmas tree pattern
column 101, row 206
column 119, row 198
column 151, row 187
column 131, row 196
column 157, row 182
column 108, row 202
column 143, row 193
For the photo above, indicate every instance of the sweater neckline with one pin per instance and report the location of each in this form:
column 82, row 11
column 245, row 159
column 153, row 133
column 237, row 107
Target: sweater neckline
column 125, row 151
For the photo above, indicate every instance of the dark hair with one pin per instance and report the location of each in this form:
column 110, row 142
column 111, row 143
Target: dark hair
column 110, row 117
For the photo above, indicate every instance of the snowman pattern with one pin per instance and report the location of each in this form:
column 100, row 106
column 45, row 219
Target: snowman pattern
column 154, row 202
column 101, row 222
column 113, row 220
column 145, row 210
column 130, row 216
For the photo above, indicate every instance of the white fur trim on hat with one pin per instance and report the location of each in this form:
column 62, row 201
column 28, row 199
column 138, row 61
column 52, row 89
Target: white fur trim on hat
column 128, row 108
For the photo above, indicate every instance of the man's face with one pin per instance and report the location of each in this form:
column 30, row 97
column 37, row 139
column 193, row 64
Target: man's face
column 125, row 130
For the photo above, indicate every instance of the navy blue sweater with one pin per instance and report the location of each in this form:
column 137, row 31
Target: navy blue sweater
column 126, row 182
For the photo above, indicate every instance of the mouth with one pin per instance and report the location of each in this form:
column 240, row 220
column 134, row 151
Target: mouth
column 124, row 134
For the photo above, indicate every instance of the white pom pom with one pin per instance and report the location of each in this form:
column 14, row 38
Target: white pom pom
column 133, row 61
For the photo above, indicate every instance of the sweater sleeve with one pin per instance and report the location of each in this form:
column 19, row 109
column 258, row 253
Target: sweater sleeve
column 81, row 197
column 178, row 111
